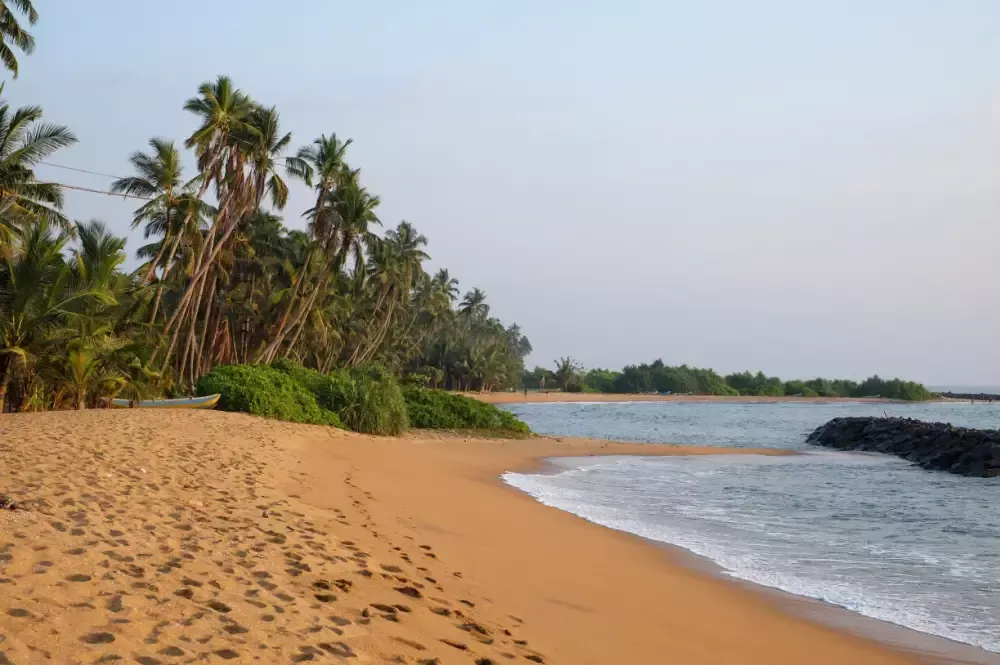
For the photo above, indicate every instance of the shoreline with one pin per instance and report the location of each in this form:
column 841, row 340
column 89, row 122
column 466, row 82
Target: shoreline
column 232, row 536
column 926, row 647
column 800, row 639
column 555, row 397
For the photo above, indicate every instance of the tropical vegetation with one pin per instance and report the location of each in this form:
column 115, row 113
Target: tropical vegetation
column 437, row 409
column 659, row 377
column 364, row 399
column 222, row 280
column 13, row 33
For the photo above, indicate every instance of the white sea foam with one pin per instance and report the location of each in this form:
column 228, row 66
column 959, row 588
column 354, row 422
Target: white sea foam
column 827, row 527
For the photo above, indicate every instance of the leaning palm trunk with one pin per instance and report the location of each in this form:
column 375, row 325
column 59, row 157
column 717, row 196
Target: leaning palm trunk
column 301, row 320
column 271, row 350
column 189, row 304
column 380, row 336
column 166, row 269
column 151, row 272
column 5, row 367
column 223, row 203
column 197, row 360
column 190, row 345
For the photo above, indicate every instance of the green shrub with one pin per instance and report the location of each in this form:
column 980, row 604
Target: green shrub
column 439, row 409
column 367, row 399
column 266, row 392
column 372, row 401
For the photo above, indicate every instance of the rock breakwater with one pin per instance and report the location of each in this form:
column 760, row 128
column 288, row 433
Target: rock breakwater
column 937, row 446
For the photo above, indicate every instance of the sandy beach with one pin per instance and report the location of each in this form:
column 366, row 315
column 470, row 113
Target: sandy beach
column 535, row 397
column 161, row 537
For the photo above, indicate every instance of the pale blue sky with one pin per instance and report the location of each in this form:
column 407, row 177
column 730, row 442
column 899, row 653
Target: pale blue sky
column 801, row 187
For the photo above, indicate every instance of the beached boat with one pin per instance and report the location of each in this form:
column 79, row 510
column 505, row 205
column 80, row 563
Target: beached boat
column 207, row 402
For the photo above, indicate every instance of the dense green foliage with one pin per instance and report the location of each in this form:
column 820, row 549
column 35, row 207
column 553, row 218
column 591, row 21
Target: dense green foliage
column 374, row 403
column 265, row 392
column 365, row 399
column 758, row 384
column 223, row 281
column 661, row 378
column 438, row 409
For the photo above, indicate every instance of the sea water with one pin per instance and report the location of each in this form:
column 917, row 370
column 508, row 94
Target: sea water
column 867, row 532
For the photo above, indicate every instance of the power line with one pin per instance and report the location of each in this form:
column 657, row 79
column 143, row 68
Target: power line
column 94, row 191
column 73, row 168
column 97, row 173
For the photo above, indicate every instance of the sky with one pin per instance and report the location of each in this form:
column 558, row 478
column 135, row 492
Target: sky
column 803, row 188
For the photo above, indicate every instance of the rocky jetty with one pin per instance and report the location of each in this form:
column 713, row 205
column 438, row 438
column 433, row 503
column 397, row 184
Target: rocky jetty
column 938, row 446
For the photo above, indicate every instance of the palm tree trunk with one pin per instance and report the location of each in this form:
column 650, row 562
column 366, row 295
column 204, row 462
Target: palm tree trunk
column 190, row 296
column 148, row 277
column 271, row 350
column 196, row 362
column 5, row 364
column 166, row 269
column 301, row 320
column 200, row 264
column 268, row 354
column 379, row 336
column 183, row 357
column 217, row 335
column 281, row 332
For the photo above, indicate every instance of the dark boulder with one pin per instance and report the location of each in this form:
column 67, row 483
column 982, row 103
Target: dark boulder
column 939, row 446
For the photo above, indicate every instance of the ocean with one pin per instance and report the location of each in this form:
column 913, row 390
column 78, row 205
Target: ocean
column 867, row 532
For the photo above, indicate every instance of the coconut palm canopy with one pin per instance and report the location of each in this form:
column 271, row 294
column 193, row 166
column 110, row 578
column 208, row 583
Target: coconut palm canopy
column 221, row 278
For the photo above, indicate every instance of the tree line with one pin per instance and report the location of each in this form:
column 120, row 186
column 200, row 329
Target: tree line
column 658, row 377
column 222, row 279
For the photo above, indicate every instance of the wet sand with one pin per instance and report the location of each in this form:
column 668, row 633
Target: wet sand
column 535, row 397
column 162, row 537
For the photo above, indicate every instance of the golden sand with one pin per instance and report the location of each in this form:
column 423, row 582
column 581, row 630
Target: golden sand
column 176, row 537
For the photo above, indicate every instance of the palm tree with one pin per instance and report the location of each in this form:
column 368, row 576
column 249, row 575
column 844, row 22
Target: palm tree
column 96, row 261
column 85, row 368
column 474, row 304
column 12, row 32
column 408, row 247
column 228, row 138
column 223, row 110
column 263, row 142
column 567, row 370
column 23, row 144
column 37, row 296
column 447, row 284
column 258, row 144
column 159, row 180
column 354, row 208
column 323, row 163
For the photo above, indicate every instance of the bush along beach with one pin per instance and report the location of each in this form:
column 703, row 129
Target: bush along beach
column 438, row 409
column 365, row 399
